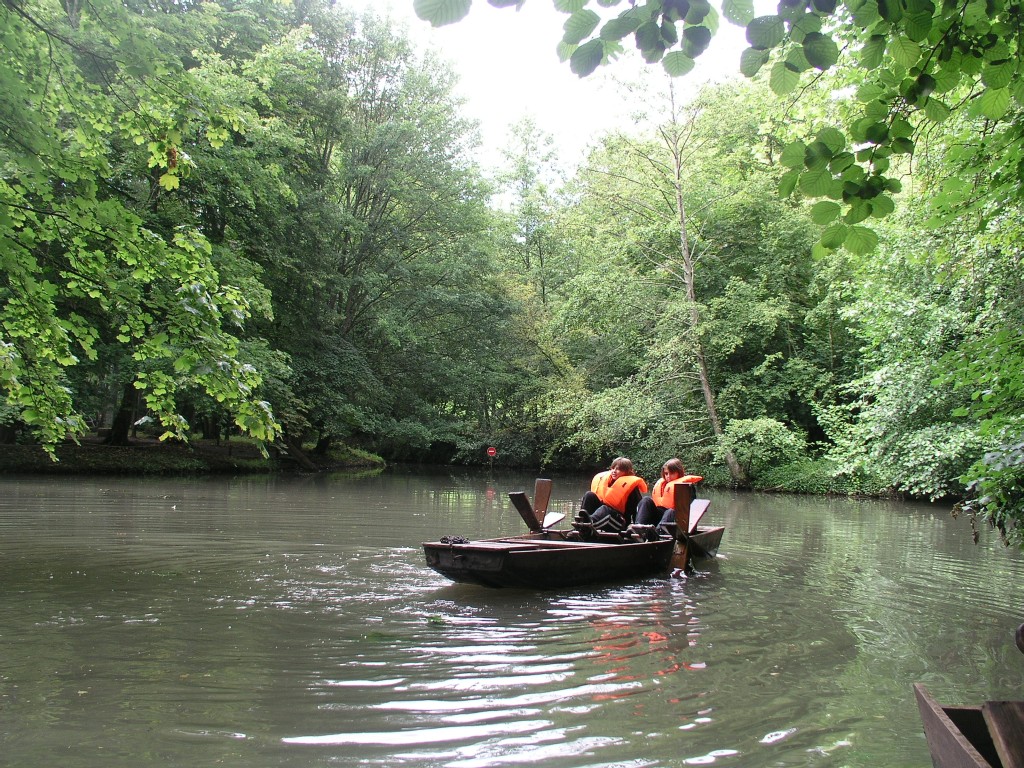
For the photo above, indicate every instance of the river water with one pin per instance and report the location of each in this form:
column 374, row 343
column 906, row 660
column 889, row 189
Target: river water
column 267, row 621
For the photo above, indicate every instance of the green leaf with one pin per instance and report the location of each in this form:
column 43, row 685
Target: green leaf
column 878, row 133
column 859, row 210
column 820, row 252
column 905, row 51
column 585, row 59
column 739, row 12
column 872, row 52
column 861, row 240
column 782, row 79
column 695, row 41
column 441, row 12
column 917, row 25
column 570, row 6
column 699, row 10
column 622, row 25
column 648, row 36
column 841, row 162
column 818, row 155
column 936, row 111
column 766, row 32
column 793, row 154
column 882, row 206
column 834, row 236
column 815, row 182
column 821, row 50
column 998, row 74
column 751, row 61
column 579, row 26
column 994, row 104
column 833, row 139
column 902, row 145
column 788, row 182
column 677, row 63
column 825, row 211
column 804, row 26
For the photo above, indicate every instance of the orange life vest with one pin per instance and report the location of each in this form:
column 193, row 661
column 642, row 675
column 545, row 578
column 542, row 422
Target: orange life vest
column 664, row 494
column 615, row 494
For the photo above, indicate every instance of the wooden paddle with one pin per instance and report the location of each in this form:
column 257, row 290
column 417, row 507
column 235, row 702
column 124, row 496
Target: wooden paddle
column 681, row 552
column 541, row 497
column 522, row 505
column 697, row 509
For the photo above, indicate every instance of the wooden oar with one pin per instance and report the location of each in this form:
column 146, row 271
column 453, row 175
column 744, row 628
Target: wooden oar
column 697, row 509
column 522, row 505
column 541, row 497
column 681, row 552
column 552, row 518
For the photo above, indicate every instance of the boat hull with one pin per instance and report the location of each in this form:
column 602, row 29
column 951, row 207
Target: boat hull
column 958, row 737
column 547, row 560
column 704, row 542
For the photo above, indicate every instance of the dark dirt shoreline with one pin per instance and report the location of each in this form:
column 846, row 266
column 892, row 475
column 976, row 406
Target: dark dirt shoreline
column 149, row 456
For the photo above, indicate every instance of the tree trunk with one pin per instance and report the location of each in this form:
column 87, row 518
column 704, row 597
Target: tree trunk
column 124, row 418
column 674, row 141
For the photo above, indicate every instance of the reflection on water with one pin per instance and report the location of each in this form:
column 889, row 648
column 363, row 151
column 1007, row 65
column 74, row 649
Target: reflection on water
column 286, row 622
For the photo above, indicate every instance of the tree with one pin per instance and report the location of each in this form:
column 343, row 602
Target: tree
column 82, row 264
column 908, row 68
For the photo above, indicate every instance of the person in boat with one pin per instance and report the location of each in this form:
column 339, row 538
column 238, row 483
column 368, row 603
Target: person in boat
column 660, row 507
column 611, row 502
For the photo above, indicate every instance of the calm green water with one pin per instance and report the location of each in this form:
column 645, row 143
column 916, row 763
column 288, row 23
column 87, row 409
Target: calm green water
column 292, row 622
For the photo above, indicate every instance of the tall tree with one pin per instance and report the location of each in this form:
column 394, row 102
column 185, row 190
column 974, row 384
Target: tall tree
column 81, row 81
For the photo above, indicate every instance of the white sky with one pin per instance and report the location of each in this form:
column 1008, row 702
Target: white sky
column 509, row 68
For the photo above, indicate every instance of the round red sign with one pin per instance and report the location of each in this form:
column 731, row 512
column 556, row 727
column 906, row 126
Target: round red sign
column 492, row 451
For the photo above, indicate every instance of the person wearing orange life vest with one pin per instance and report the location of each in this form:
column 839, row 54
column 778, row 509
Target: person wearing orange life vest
column 660, row 507
column 614, row 494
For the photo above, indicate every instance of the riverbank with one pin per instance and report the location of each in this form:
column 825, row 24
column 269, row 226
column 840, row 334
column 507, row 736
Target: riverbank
column 149, row 456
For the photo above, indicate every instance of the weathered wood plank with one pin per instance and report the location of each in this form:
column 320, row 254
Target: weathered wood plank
column 949, row 747
column 1005, row 721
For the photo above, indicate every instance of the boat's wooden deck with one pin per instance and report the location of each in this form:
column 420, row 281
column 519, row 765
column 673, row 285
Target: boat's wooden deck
column 517, row 545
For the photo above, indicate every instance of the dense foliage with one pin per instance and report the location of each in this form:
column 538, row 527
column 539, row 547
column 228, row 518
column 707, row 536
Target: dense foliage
column 262, row 216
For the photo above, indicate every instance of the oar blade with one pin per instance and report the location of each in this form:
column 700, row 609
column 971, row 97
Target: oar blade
column 541, row 496
column 552, row 518
column 522, row 505
column 697, row 509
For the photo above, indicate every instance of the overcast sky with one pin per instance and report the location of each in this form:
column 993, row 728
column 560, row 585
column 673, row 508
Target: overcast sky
column 509, row 68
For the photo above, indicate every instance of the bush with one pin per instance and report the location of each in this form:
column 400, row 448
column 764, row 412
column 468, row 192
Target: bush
column 759, row 445
column 818, row 476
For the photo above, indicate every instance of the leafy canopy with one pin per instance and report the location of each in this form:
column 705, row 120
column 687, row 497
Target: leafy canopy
column 918, row 61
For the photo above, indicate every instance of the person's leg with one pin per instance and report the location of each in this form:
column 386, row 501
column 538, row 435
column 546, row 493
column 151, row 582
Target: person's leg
column 590, row 502
column 667, row 524
column 647, row 512
column 606, row 518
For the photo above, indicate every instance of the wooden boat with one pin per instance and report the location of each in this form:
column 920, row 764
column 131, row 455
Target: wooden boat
column 548, row 559
column 986, row 736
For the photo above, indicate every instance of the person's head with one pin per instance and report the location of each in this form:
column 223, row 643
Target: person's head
column 672, row 469
column 621, row 466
